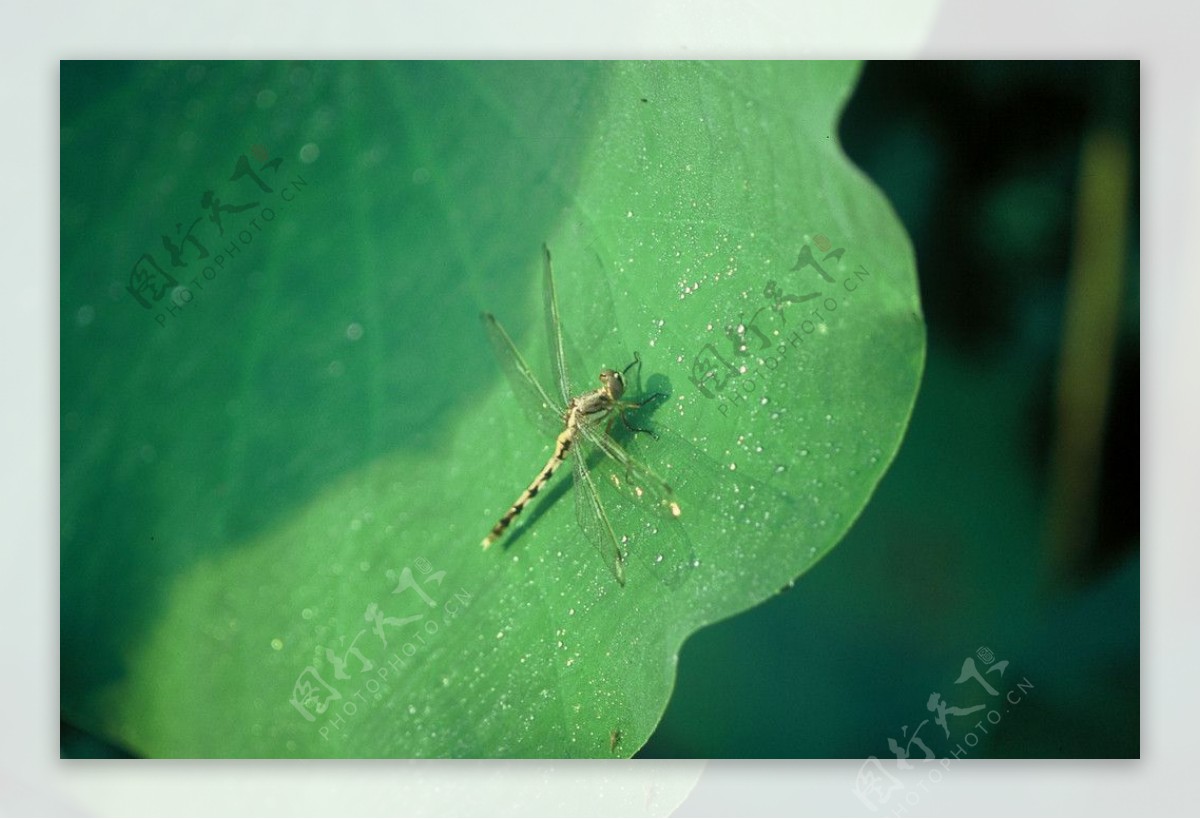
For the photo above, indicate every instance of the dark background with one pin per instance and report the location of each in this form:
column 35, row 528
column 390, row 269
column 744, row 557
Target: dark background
column 956, row 551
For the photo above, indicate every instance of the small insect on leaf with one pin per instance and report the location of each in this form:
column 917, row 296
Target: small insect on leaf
column 584, row 421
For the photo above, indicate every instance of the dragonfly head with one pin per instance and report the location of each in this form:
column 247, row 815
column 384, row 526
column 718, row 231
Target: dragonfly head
column 613, row 383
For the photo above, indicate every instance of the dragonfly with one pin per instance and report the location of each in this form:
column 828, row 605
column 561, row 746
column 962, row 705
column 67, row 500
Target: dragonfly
column 584, row 424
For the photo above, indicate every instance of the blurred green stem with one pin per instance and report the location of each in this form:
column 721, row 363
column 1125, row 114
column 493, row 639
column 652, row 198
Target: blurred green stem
column 1088, row 344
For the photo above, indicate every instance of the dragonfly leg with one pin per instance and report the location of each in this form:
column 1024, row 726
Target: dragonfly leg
column 637, row 359
column 625, row 418
column 637, row 362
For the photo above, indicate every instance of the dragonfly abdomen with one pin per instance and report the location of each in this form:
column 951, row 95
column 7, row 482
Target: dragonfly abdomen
column 562, row 446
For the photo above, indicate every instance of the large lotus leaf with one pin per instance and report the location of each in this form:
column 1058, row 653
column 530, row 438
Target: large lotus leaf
column 284, row 432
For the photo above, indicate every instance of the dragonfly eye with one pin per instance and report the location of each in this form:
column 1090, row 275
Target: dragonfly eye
column 613, row 382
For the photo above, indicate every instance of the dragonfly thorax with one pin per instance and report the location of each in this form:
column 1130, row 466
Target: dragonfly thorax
column 597, row 402
column 590, row 404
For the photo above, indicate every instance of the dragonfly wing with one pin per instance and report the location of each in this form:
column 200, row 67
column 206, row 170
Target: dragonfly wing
column 592, row 519
column 558, row 357
column 644, row 509
column 639, row 480
column 545, row 412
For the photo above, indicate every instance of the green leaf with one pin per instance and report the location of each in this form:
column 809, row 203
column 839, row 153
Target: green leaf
column 274, row 491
